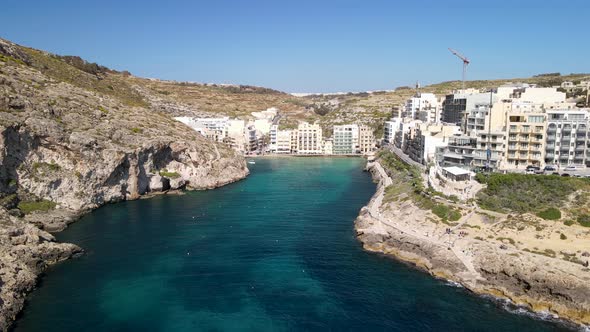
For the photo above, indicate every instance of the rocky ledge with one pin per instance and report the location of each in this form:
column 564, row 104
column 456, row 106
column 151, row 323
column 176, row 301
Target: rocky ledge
column 542, row 284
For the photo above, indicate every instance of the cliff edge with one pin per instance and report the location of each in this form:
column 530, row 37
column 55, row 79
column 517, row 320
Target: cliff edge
column 75, row 136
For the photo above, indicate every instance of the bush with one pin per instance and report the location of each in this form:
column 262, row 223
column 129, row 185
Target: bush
column 584, row 220
column 171, row 175
column 137, row 130
column 562, row 236
column 31, row 206
column 526, row 193
column 569, row 222
column 446, row 213
column 550, row 214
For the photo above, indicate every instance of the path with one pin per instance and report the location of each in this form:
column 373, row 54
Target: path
column 374, row 210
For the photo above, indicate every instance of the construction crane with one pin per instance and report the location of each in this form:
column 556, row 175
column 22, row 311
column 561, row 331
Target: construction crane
column 465, row 63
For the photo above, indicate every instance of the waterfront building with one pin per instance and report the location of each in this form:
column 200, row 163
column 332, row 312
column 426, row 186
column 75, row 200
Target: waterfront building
column 566, row 140
column 346, row 139
column 328, row 146
column 366, row 141
column 309, row 138
column 283, row 142
column 272, row 138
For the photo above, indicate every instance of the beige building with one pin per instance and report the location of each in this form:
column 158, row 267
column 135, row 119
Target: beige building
column 309, row 138
column 526, row 140
column 366, row 139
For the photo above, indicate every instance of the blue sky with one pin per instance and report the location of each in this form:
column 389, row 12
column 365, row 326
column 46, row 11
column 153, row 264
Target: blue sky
column 310, row 46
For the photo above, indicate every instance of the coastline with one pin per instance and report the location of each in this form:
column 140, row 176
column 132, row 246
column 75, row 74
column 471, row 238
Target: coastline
column 27, row 248
column 291, row 155
column 404, row 231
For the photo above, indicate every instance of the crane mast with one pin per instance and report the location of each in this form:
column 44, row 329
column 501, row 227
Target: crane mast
column 465, row 63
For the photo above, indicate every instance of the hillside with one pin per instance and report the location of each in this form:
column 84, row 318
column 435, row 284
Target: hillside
column 75, row 136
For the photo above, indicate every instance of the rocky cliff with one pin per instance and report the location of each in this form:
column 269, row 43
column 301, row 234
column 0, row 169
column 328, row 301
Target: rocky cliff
column 75, row 136
column 541, row 283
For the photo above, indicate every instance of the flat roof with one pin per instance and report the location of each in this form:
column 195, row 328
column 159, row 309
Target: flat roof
column 456, row 170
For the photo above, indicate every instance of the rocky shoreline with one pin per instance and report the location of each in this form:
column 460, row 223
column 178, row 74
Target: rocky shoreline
column 75, row 136
column 26, row 249
column 402, row 230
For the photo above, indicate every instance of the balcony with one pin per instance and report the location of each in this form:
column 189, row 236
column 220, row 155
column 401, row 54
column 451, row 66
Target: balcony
column 550, row 147
column 550, row 138
column 551, row 130
column 580, row 148
column 566, row 138
column 549, row 156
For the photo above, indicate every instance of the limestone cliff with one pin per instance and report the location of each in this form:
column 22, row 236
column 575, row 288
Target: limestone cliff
column 75, row 136
column 409, row 233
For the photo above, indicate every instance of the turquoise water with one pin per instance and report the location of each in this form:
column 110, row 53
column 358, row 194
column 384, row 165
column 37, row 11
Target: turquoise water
column 274, row 252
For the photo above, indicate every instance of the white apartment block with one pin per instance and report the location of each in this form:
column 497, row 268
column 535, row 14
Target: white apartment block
column 566, row 142
column 346, row 139
column 389, row 130
column 423, row 106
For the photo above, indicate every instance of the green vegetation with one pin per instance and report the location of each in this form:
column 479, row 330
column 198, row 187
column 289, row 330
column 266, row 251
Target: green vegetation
column 32, row 206
column 446, row 213
column 526, row 193
column 137, row 130
column 4, row 201
column 562, row 236
column 83, row 74
column 568, row 222
column 407, row 184
column 42, row 166
column 550, row 214
column 171, row 175
column 584, row 220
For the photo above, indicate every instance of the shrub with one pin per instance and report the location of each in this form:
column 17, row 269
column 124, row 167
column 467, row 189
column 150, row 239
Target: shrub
column 42, row 166
column 550, row 214
column 446, row 213
column 136, row 130
column 171, row 175
column 31, row 206
column 569, row 222
column 525, row 193
column 562, row 236
column 584, row 220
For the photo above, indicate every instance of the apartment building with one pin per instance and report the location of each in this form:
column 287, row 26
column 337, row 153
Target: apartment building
column 309, row 138
column 526, row 140
column 283, row 142
column 423, row 106
column 489, row 147
column 389, row 129
column 346, row 139
column 366, row 142
column 456, row 105
column 567, row 137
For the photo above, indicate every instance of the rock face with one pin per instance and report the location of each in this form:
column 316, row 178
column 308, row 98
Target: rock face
column 25, row 251
column 537, row 282
column 75, row 136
